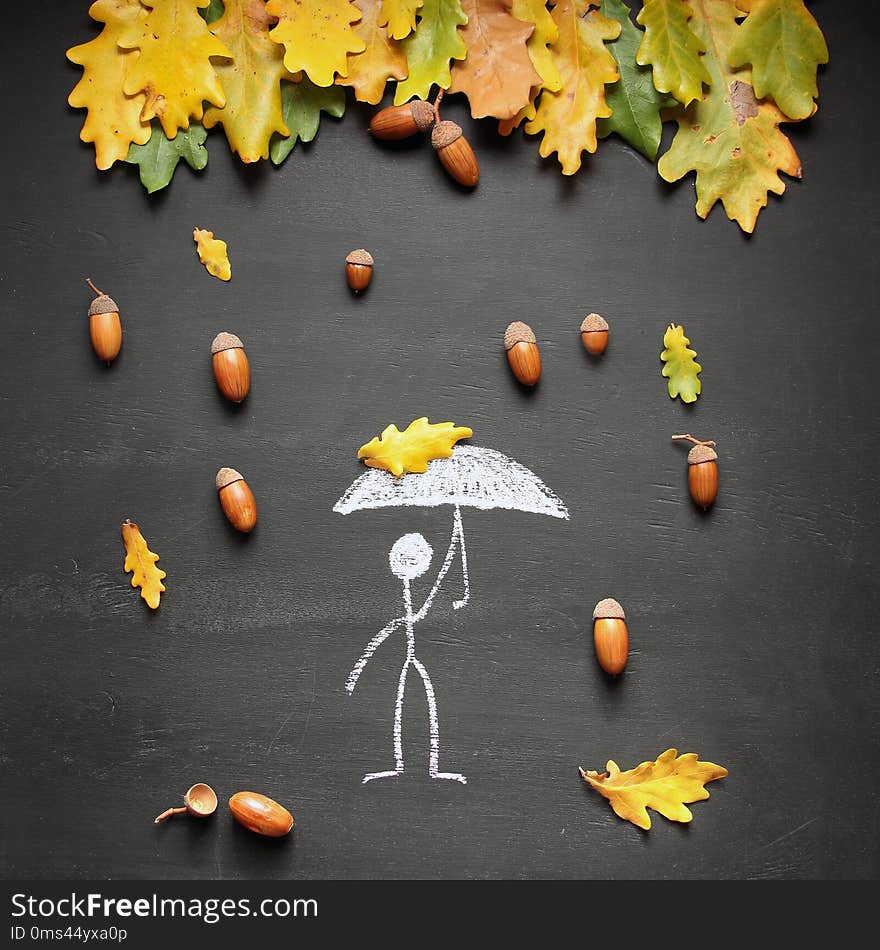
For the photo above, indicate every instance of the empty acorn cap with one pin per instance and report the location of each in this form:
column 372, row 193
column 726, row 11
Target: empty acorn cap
column 445, row 133
column 593, row 322
column 701, row 453
column 518, row 332
column 608, row 609
column 226, row 341
column 226, row 476
column 103, row 304
column 360, row 256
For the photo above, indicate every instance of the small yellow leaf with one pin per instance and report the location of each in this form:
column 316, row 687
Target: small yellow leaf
column 666, row 786
column 383, row 58
column 212, row 253
column 399, row 16
column 680, row 365
column 141, row 561
column 411, row 450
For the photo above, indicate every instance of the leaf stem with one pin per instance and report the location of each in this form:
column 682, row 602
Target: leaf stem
column 100, row 293
column 437, row 102
column 690, row 438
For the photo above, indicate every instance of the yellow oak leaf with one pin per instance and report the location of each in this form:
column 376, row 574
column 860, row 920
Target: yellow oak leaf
column 436, row 41
column 672, row 49
column 212, row 253
column 666, row 786
column 568, row 116
column 497, row 74
column 411, row 450
column 381, row 60
column 399, row 16
column 680, row 365
column 113, row 120
column 539, row 43
column 730, row 139
column 141, row 561
column 316, row 35
column 251, row 80
column 174, row 68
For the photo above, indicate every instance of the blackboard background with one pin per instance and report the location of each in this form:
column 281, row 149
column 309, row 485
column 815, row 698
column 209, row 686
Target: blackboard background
column 753, row 629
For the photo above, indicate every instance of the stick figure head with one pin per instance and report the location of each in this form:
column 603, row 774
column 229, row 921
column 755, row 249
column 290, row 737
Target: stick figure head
column 410, row 556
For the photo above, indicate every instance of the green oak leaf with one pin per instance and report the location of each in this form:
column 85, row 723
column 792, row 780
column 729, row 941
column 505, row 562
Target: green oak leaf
column 783, row 44
column 673, row 50
column 158, row 158
column 301, row 105
column 435, row 42
column 635, row 103
column 212, row 11
column 680, row 367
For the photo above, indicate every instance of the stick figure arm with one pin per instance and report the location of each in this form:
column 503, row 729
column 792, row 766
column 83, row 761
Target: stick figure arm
column 371, row 648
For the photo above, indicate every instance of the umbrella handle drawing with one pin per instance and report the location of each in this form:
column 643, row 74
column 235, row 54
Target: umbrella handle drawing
column 456, row 541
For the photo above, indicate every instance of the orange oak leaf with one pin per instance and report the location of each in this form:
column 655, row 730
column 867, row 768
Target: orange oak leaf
column 666, row 786
column 141, row 561
column 497, row 76
column 381, row 60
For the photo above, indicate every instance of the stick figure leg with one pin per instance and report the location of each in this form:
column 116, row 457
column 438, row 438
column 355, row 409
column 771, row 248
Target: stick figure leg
column 398, row 731
column 434, row 725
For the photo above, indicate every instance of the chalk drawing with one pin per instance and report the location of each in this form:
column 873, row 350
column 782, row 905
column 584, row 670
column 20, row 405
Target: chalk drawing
column 472, row 476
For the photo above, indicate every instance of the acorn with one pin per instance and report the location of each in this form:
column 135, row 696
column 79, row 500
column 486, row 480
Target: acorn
column 610, row 636
column 359, row 269
column 260, row 814
column 401, row 122
column 594, row 334
column 231, row 368
column 237, row 500
column 105, row 328
column 522, row 353
column 455, row 153
column 702, row 471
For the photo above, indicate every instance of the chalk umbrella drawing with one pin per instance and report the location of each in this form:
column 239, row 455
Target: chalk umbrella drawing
column 472, row 477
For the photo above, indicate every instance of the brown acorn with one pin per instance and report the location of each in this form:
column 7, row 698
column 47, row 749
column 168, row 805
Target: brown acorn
column 400, row 122
column 260, row 814
column 359, row 269
column 455, row 153
column 237, row 500
column 522, row 353
column 594, row 334
column 702, row 471
column 231, row 368
column 610, row 636
column 105, row 328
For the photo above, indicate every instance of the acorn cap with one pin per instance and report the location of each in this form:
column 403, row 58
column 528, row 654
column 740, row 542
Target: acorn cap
column 360, row 256
column 608, row 609
column 103, row 304
column 226, row 476
column 445, row 133
column 423, row 114
column 593, row 322
column 226, row 341
column 518, row 332
column 701, row 453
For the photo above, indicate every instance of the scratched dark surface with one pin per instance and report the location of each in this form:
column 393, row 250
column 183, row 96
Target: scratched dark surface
column 754, row 629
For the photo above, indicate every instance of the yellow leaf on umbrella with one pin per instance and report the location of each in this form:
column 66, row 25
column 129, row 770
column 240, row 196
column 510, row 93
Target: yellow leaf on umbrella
column 497, row 75
column 316, row 35
column 665, row 786
column 212, row 253
column 383, row 58
column 568, row 116
column 399, row 16
column 251, row 80
column 141, row 561
column 174, row 68
column 113, row 120
column 411, row 450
